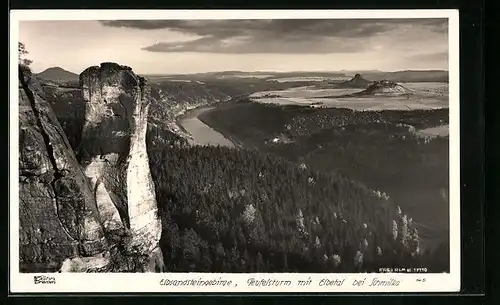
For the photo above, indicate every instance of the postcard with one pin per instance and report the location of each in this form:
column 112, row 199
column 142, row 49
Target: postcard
column 230, row 151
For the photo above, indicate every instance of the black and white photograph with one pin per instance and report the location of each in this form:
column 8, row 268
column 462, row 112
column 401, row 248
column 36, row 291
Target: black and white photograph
column 249, row 145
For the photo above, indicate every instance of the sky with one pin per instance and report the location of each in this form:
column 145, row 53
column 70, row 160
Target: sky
column 281, row 45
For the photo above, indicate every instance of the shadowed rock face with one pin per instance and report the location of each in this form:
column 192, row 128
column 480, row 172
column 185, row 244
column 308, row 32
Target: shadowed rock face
column 58, row 213
column 114, row 158
column 69, row 107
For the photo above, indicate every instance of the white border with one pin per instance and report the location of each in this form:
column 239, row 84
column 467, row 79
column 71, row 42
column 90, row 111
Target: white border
column 132, row 283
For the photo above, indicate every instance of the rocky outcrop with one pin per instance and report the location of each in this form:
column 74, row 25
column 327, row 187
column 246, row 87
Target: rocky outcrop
column 384, row 88
column 356, row 82
column 58, row 213
column 114, row 158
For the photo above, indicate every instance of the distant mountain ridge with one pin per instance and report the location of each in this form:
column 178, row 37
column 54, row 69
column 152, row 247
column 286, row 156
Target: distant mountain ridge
column 410, row 76
column 58, row 74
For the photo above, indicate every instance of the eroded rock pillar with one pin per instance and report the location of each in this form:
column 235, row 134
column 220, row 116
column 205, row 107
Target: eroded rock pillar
column 114, row 157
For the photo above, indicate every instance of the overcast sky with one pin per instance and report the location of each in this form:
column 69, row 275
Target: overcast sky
column 190, row 46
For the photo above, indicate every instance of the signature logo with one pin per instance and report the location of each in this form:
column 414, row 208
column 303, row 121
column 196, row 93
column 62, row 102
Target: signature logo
column 43, row 279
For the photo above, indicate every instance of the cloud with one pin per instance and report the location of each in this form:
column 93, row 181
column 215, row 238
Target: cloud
column 277, row 35
column 254, row 45
column 330, row 27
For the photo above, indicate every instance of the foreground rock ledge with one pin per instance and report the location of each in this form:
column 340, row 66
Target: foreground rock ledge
column 57, row 210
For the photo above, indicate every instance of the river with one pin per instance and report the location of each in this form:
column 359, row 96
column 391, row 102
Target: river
column 201, row 133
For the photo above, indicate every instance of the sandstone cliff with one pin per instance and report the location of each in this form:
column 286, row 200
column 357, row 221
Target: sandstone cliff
column 103, row 218
column 58, row 213
column 114, row 158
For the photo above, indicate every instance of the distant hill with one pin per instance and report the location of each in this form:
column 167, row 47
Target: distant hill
column 384, row 88
column 58, row 74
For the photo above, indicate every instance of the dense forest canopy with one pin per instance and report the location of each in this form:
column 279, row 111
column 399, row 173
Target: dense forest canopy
column 227, row 210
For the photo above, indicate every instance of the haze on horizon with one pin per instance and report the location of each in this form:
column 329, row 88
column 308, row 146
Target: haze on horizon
column 279, row 45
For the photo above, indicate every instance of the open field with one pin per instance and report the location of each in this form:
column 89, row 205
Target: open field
column 441, row 131
column 304, row 92
column 310, row 78
column 426, row 96
column 245, row 76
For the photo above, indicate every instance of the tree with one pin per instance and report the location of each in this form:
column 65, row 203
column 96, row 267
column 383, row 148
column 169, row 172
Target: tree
column 22, row 53
column 259, row 264
column 190, row 248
